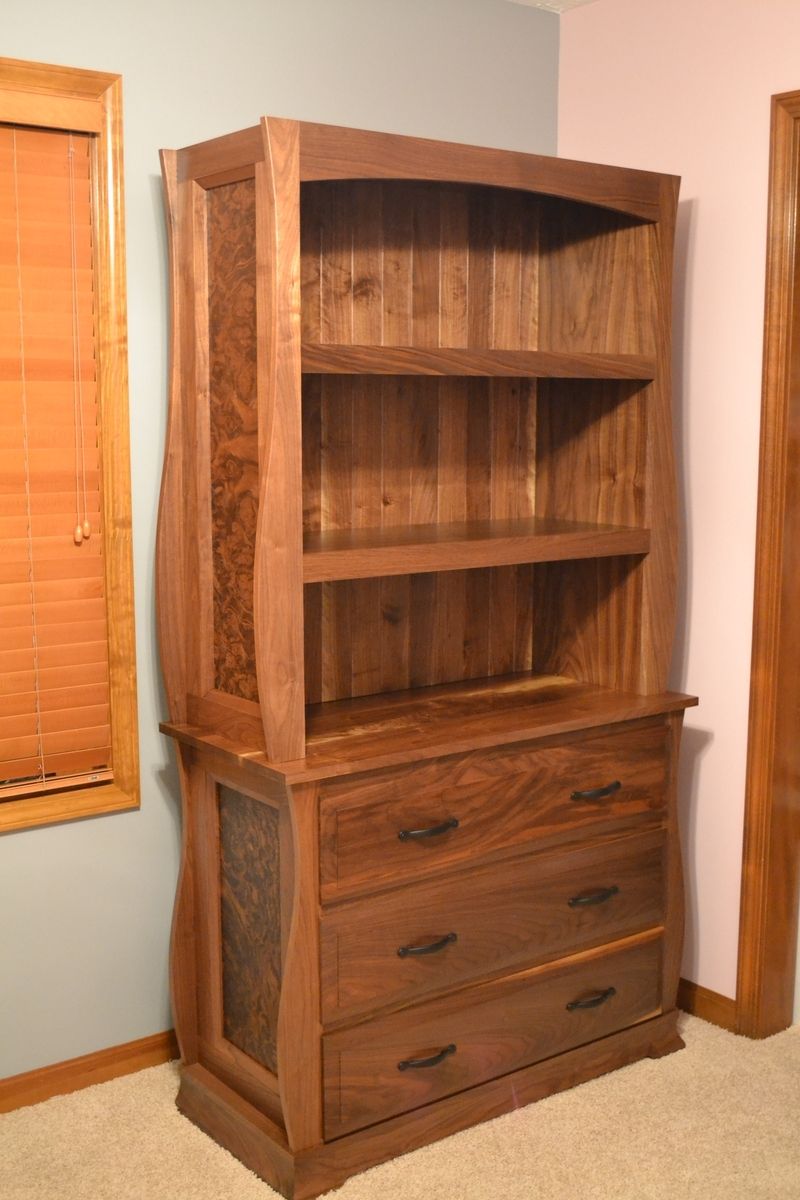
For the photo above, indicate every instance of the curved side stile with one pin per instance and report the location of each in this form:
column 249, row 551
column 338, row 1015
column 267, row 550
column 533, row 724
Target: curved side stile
column 675, row 904
column 170, row 616
column 659, row 600
column 299, row 1030
column 278, row 568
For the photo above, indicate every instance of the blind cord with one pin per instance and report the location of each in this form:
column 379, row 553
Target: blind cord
column 26, row 456
column 82, row 527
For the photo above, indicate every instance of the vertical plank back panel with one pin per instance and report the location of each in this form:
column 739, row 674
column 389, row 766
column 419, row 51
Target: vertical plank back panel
column 597, row 282
column 420, row 264
column 399, row 450
column 592, row 466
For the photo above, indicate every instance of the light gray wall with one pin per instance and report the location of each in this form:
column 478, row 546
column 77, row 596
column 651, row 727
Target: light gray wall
column 86, row 907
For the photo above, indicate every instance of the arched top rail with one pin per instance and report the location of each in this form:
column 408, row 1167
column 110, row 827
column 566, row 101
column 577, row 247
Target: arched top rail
column 334, row 152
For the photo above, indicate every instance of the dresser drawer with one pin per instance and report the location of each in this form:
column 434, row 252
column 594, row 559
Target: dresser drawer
column 397, row 947
column 402, row 823
column 400, row 1062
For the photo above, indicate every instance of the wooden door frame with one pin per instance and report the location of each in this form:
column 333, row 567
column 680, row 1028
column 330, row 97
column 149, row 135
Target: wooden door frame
column 770, row 873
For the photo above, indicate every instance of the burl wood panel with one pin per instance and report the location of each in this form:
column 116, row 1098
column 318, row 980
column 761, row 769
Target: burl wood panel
column 251, row 923
column 382, row 452
column 234, row 430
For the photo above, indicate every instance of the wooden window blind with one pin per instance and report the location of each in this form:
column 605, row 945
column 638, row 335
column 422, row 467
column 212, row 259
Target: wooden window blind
column 55, row 727
column 68, row 738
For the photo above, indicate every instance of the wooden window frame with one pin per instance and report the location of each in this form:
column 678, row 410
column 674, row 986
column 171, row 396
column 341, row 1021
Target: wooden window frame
column 40, row 95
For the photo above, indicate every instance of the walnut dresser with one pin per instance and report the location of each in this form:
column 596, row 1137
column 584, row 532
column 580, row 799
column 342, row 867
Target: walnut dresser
column 416, row 590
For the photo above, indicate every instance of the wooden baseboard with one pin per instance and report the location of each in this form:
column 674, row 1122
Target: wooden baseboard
column 710, row 1006
column 18, row 1091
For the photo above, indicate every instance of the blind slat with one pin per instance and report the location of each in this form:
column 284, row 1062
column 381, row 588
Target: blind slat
column 52, row 680
column 63, row 612
column 51, row 592
column 58, row 699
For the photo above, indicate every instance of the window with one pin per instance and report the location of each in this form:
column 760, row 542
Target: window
column 68, row 735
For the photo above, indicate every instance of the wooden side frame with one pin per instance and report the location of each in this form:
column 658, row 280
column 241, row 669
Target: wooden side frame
column 91, row 102
column 770, row 869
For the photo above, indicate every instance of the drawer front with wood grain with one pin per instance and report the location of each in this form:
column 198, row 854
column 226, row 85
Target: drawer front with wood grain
column 398, row 947
column 399, row 1062
column 403, row 823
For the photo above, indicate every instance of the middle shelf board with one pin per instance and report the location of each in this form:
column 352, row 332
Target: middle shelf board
column 330, row 359
column 410, row 549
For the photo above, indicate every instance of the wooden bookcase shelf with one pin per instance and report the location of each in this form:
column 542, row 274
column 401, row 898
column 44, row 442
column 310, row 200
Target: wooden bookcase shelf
column 416, row 592
column 457, row 546
column 448, row 361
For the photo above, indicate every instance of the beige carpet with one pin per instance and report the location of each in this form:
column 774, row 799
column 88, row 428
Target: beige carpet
column 718, row 1121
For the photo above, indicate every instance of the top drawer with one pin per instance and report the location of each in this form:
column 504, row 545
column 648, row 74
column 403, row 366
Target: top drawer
column 400, row 823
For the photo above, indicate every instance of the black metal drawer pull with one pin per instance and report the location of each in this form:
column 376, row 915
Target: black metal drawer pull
column 405, row 835
column 589, row 898
column 598, row 793
column 592, row 1001
column 431, row 948
column 411, row 1063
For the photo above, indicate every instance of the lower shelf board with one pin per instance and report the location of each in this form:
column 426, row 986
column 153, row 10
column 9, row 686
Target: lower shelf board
column 460, row 546
column 261, row 1145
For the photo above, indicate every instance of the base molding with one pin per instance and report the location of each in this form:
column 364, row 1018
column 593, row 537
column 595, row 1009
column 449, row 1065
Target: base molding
column 709, row 1006
column 262, row 1147
column 31, row 1087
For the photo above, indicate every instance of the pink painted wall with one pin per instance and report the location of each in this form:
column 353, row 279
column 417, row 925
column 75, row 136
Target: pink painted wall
column 684, row 86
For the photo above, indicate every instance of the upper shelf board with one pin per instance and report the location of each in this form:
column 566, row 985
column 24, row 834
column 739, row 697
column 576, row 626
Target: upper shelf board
column 330, row 359
column 458, row 546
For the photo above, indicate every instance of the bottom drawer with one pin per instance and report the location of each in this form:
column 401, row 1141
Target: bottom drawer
column 396, row 1063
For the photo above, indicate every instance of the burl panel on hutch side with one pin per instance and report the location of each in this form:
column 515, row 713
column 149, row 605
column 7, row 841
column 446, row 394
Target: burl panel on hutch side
column 416, row 588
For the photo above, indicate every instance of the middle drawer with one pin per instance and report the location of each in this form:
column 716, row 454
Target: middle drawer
column 405, row 944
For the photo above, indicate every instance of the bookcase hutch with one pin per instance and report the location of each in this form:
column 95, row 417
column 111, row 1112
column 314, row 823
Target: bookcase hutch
column 416, row 592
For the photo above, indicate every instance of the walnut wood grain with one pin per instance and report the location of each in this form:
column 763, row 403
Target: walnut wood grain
column 299, row 1051
column 403, row 360
column 498, row 918
column 351, row 736
column 183, row 949
column 675, row 904
column 595, row 438
column 388, row 453
column 257, row 1142
column 334, row 152
column 250, row 873
column 278, row 570
column 410, row 549
column 501, row 798
column 495, row 1028
column 170, row 548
